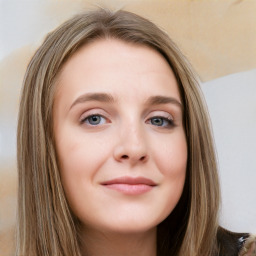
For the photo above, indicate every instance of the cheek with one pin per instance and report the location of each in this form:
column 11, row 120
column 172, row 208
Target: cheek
column 171, row 159
column 80, row 158
column 80, row 153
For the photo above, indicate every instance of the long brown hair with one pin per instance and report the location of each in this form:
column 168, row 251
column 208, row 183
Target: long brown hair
column 46, row 225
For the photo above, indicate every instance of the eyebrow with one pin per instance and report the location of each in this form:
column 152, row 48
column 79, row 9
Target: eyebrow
column 107, row 98
column 101, row 97
column 158, row 100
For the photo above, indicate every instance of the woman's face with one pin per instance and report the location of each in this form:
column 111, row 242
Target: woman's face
column 119, row 135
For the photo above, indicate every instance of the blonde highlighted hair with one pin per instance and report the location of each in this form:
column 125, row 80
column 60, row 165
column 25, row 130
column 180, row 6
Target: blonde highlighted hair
column 46, row 225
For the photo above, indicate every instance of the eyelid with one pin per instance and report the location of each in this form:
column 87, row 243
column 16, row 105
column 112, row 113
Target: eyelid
column 169, row 121
column 161, row 115
column 93, row 112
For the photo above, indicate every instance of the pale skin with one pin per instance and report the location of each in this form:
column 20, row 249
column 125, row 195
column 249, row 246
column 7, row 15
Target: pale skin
column 118, row 115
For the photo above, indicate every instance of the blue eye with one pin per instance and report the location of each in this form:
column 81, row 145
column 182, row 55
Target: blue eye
column 161, row 121
column 94, row 120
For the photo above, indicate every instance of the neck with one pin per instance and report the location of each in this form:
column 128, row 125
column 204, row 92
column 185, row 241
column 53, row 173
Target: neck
column 99, row 243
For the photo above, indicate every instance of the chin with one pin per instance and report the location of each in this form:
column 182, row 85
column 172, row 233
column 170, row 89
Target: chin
column 127, row 224
column 130, row 228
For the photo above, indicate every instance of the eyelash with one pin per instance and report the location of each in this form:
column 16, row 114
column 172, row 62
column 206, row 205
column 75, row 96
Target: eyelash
column 168, row 120
column 86, row 119
column 169, row 123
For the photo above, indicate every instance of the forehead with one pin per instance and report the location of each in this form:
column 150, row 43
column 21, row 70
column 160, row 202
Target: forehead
column 112, row 65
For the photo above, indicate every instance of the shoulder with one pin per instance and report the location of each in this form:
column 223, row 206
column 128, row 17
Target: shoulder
column 235, row 244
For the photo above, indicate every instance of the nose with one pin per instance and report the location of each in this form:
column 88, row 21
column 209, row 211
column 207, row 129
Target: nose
column 131, row 147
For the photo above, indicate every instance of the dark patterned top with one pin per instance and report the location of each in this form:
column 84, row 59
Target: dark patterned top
column 236, row 244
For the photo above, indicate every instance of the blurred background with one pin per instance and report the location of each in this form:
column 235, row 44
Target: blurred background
column 219, row 39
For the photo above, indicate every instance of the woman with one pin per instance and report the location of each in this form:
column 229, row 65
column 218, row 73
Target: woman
column 115, row 154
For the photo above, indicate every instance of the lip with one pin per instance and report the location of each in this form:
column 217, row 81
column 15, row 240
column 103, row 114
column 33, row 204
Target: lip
column 130, row 185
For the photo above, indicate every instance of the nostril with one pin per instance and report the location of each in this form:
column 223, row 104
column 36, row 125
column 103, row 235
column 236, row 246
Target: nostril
column 139, row 159
column 142, row 158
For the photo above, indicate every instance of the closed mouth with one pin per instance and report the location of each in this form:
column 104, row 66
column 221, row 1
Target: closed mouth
column 130, row 181
column 130, row 185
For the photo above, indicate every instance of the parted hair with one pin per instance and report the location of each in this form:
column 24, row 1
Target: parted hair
column 46, row 225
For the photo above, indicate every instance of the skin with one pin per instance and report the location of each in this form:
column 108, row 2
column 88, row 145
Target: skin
column 128, row 135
